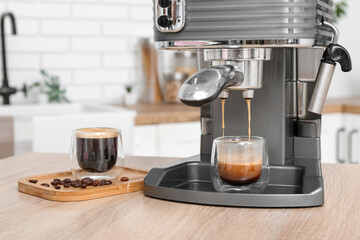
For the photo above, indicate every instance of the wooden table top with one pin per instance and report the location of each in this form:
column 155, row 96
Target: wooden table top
column 134, row 216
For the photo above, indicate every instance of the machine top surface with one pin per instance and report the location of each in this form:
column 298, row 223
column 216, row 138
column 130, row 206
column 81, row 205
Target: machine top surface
column 242, row 23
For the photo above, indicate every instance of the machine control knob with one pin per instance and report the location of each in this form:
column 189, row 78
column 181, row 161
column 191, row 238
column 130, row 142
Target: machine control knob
column 165, row 21
column 164, row 3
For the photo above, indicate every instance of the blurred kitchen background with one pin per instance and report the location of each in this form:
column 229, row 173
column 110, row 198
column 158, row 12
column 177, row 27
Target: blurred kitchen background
column 90, row 44
column 101, row 53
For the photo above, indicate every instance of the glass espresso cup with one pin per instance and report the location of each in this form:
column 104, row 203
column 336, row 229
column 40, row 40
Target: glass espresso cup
column 96, row 153
column 239, row 164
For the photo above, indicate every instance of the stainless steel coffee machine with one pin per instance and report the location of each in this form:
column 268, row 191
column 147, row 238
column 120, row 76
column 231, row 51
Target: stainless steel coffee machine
column 282, row 54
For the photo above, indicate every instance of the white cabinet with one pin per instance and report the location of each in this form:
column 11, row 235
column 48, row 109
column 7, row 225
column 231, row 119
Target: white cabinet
column 167, row 140
column 353, row 138
column 340, row 140
column 145, row 140
column 332, row 128
column 179, row 140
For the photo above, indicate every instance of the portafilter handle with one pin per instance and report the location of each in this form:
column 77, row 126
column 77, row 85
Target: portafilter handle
column 333, row 54
column 207, row 84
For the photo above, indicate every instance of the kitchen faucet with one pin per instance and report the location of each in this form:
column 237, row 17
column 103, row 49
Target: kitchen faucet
column 5, row 90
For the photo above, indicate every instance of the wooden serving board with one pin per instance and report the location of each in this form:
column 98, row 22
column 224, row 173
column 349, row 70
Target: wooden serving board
column 135, row 183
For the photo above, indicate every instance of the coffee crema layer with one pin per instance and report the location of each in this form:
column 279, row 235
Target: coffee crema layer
column 240, row 173
column 96, row 133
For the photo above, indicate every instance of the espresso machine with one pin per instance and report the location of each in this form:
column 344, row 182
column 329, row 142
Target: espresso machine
column 280, row 54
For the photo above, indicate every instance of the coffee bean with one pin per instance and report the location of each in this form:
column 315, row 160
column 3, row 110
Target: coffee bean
column 90, row 182
column 102, row 183
column 45, row 185
column 66, row 185
column 67, row 180
column 77, row 181
column 108, row 182
column 61, row 183
column 96, row 183
column 57, row 187
column 124, row 179
column 85, row 180
column 56, row 181
column 83, row 185
column 33, row 181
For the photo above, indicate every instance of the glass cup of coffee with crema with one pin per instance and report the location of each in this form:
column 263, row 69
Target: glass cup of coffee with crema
column 97, row 153
column 239, row 164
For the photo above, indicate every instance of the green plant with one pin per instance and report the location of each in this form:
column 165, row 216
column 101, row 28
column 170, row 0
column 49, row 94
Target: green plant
column 128, row 88
column 340, row 10
column 50, row 85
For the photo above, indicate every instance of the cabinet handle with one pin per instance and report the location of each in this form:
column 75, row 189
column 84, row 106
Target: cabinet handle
column 350, row 146
column 338, row 133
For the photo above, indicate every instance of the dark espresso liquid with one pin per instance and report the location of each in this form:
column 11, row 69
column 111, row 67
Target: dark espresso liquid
column 223, row 100
column 248, row 102
column 96, row 154
column 240, row 173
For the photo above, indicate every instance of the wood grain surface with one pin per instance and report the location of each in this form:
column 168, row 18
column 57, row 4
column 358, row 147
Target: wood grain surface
column 342, row 105
column 135, row 183
column 134, row 216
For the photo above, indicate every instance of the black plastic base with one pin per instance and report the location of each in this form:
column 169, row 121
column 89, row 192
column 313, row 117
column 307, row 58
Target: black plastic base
column 189, row 181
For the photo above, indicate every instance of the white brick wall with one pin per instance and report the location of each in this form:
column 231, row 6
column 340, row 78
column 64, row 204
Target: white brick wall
column 36, row 44
column 38, row 9
column 101, row 76
column 100, row 11
column 22, row 61
column 137, row 29
column 68, row 27
column 70, row 60
column 119, row 60
column 90, row 44
column 98, row 44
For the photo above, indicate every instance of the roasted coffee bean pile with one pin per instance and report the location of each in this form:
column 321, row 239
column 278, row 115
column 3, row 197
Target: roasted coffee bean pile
column 67, row 182
column 77, row 183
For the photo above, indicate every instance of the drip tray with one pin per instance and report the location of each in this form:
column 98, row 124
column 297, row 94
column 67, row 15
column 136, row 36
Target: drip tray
column 189, row 181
